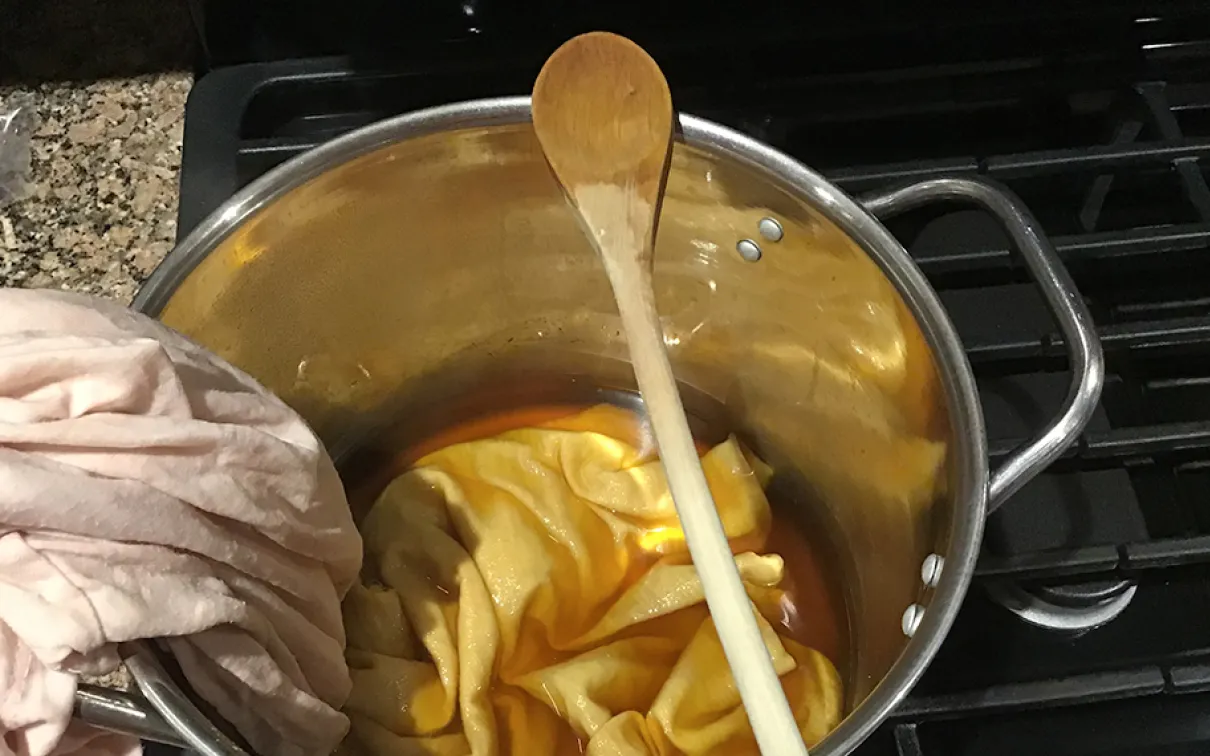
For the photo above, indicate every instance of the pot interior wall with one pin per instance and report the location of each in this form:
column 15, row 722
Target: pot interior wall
column 416, row 275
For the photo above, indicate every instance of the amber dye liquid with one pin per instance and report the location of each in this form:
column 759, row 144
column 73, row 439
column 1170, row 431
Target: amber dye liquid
column 813, row 612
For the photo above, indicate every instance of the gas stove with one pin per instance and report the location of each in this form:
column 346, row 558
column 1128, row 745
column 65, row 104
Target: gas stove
column 1087, row 630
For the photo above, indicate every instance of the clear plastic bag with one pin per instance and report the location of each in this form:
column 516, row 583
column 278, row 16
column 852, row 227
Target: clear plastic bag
column 16, row 128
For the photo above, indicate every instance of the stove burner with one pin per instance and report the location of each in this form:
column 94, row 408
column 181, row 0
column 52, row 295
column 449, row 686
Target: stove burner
column 1065, row 608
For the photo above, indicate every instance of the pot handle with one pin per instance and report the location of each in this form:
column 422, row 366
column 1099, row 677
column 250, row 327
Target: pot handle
column 162, row 713
column 1074, row 319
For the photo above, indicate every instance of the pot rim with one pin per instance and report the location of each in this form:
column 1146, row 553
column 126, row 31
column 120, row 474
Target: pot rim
column 968, row 448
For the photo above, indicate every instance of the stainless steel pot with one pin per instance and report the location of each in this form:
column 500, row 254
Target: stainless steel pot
column 417, row 260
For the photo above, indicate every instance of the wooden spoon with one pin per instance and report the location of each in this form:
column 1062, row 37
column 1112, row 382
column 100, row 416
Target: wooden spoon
column 603, row 115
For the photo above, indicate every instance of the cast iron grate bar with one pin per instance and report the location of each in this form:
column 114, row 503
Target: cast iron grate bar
column 1175, row 699
column 1090, row 212
column 1067, row 691
column 1169, row 552
column 1125, row 560
column 1189, row 678
column 858, row 179
column 1121, row 445
column 907, row 740
column 1107, row 157
column 1080, row 248
column 1133, row 337
column 1155, row 95
column 1057, row 563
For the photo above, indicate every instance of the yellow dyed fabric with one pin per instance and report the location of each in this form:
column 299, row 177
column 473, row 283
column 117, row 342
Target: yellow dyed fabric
column 532, row 594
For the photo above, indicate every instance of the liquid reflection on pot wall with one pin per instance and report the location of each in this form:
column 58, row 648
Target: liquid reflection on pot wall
column 454, row 255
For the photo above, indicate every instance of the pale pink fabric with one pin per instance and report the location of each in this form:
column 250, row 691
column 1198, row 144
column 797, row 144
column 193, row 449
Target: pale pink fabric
column 148, row 489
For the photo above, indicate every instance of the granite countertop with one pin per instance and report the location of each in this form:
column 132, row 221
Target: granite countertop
column 107, row 81
column 104, row 161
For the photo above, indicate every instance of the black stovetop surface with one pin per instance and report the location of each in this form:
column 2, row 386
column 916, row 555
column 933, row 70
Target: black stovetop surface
column 1096, row 114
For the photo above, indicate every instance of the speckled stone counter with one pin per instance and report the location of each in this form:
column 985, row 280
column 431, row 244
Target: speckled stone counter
column 104, row 163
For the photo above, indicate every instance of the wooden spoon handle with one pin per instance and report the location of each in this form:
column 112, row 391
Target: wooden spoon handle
column 758, row 684
column 603, row 114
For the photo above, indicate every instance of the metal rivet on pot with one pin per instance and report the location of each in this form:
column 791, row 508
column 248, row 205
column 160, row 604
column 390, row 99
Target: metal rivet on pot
column 930, row 571
column 771, row 229
column 748, row 249
column 911, row 619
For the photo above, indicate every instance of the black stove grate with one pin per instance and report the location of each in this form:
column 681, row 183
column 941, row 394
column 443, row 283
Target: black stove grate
column 1105, row 135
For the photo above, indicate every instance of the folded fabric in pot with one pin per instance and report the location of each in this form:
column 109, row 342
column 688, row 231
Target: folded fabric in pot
column 532, row 594
column 148, row 489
